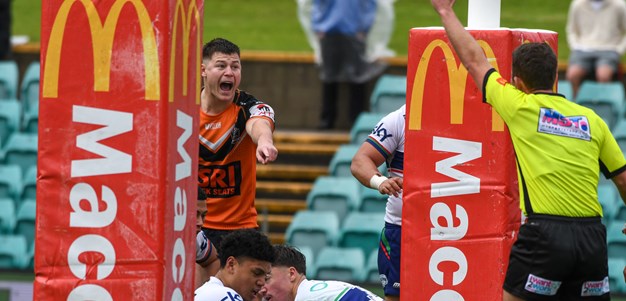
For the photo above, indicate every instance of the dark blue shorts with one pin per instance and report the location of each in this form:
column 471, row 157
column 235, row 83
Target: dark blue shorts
column 389, row 259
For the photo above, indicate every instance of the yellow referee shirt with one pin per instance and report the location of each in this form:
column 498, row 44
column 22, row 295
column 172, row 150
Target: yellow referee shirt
column 560, row 147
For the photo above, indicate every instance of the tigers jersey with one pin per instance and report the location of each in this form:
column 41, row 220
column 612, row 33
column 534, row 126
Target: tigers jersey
column 315, row 290
column 560, row 146
column 214, row 290
column 388, row 138
column 227, row 163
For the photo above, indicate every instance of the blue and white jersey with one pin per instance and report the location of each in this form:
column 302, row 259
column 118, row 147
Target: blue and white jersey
column 315, row 290
column 214, row 290
column 388, row 138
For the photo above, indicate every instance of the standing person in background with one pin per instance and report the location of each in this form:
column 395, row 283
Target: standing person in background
column 596, row 35
column 561, row 147
column 386, row 144
column 235, row 128
column 246, row 259
column 342, row 27
column 5, row 29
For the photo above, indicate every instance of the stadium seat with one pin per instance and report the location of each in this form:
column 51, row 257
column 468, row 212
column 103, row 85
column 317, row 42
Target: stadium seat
column 9, row 76
column 25, row 220
column 343, row 264
column 341, row 160
column 337, row 194
column 10, row 181
column 7, row 215
column 12, row 251
column 616, row 240
column 565, row 89
column 361, row 230
column 619, row 132
column 21, row 150
column 29, row 187
column 619, row 212
column 371, row 268
column 10, row 112
column 30, row 88
column 606, row 99
column 31, row 122
column 616, row 276
column 363, row 126
column 607, row 195
column 372, row 200
column 310, row 260
column 389, row 94
column 313, row 229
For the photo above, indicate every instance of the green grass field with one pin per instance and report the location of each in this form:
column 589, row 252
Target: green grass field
column 273, row 25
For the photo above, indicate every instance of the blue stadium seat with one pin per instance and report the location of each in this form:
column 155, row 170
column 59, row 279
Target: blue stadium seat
column 363, row 126
column 619, row 132
column 343, row 264
column 565, row 89
column 10, row 112
column 9, row 76
column 313, row 229
column 31, row 122
column 606, row 99
column 336, row 194
column 607, row 197
column 389, row 94
column 616, row 276
column 372, row 200
column 341, row 160
column 30, row 88
column 21, row 150
column 310, row 260
column 12, row 251
column 10, row 182
column 371, row 274
column 29, row 184
column 7, row 215
column 361, row 230
column 616, row 240
column 25, row 220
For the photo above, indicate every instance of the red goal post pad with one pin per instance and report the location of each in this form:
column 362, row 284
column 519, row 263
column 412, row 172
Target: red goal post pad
column 116, row 190
column 461, row 205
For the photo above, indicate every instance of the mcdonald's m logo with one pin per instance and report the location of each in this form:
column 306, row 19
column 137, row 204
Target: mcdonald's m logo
column 184, row 18
column 457, row 75
column 102, row 35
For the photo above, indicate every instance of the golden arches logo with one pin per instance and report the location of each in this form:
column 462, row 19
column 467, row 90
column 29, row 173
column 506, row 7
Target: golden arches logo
column 184, row 18
column 102, row 35
column 457, row 75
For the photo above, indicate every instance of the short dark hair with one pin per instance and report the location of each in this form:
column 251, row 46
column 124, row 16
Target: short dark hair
column 536, row 65
column 246, row 243
column 219, row 45
column 289, row 256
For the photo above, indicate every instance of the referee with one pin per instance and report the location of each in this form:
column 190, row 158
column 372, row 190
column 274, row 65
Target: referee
column 561, row 147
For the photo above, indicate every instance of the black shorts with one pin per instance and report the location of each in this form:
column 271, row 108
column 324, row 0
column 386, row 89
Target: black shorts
column 559, row 258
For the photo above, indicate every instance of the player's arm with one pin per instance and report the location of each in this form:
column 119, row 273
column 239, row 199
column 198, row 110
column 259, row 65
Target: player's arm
column 260, row 130
column 364, row 168
column 468, row 50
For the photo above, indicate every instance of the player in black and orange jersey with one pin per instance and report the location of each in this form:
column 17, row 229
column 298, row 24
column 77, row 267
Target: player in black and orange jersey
column 561, row 148
column 235, row 128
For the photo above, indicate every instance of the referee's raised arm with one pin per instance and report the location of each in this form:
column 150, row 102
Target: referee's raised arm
column 466, row 47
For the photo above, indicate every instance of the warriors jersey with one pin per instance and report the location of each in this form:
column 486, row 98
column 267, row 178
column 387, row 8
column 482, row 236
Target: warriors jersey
column 214, row 290
column 227, row 163
column 560, row 146
column 314, row 290
column 388, row 138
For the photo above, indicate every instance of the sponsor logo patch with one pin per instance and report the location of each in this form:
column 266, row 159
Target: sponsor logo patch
column 542, row 286
column 595, row 288
column 554, row 123
column 262, row 110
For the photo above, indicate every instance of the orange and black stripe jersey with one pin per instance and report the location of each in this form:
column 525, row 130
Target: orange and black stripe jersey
column 227, row 163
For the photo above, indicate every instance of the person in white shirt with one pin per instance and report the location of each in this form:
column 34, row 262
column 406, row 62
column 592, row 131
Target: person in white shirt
column 245, row 261
column 288, row 282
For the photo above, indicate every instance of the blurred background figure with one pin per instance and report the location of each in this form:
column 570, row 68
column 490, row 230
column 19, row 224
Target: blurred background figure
column 5, row 29
column 596, row 34
column 338, row 33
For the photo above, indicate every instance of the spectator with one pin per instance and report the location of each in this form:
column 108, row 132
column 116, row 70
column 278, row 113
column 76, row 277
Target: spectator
column 288, row 282
column 235, row 127
column 596, row 34
column 342, row 27
column 5, row 29
column 560, row 252
column 245, row 261
column 386, row 144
